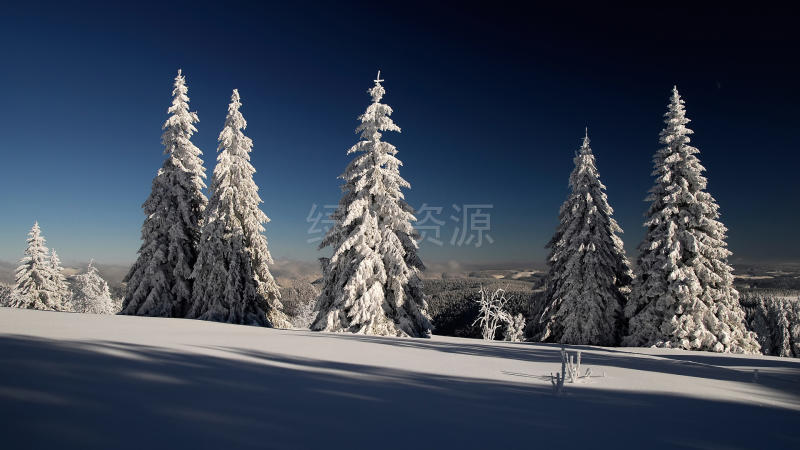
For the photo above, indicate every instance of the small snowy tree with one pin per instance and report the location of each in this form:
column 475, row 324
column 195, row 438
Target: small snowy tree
column 757, row 315
column 794, row 323
column 371, row 282
column 91, row 293
column 589, row 275
column 492, row 313
column 35, row 288
column 232, row 278
column 683, row 294
column 8, row 296
column 60, row 285
column 515, row 329
column 781, row 330
column 159, row 283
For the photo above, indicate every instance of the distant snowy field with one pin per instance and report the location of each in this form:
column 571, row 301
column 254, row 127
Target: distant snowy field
column 86, row 381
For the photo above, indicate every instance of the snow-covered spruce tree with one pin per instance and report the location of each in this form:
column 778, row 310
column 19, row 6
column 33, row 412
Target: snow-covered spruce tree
column 781, row 328
column 232, row 281
column 589, row 275
column 91, row 293
column 60, row 285
column 159, row 283
column 774, row 320
column 35, row 288
column 371, row 282
column 683, row 294
column 794, row 322
column 8, row 297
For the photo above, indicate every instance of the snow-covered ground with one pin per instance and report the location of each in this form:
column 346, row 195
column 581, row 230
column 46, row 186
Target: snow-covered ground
column 86, row 381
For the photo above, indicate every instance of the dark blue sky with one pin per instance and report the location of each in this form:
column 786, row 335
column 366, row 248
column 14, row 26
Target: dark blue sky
column 492, row 103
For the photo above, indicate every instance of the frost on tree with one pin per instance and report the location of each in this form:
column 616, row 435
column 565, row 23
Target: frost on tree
column 515, row 329
column 159, row 283
column 589, row 275
column 775, row 322
column 232, row 278
column 492, row 313
column 91, row 293
column 683, row 294
column 371, row 283
column 60, row 285
column 35, row 286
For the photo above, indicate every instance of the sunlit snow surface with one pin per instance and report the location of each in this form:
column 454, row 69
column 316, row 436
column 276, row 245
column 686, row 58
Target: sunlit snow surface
column 87, row 381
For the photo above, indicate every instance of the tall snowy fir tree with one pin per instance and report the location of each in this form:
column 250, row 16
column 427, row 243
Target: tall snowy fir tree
column 60, row 285
column 159, row 283
column 371, row 282
column 589, row 275
column 232, row 278
column 35, row 288
column 683, row 294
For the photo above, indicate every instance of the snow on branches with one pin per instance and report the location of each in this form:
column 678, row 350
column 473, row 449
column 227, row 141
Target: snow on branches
column 38, row 278
column 91, row 293
column 492, row 315
column 589, row 274
column 158, row 283
column 232, row 281
column 371, row 282
column 683, row 294
column 491, row 312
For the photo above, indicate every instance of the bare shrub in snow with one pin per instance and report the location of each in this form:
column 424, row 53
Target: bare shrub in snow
column 557, row 379
column 491, row 313
column 452, row 305
column 571, row 367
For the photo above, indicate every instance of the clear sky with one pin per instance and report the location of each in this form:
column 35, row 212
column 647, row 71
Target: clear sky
column 492, row 103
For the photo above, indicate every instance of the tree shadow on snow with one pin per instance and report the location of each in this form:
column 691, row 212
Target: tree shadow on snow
column 690, row 364
column 82, row 395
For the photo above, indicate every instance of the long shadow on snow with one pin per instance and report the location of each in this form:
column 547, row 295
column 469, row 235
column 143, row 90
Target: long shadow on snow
column 691, row 364
column 82, row 395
